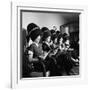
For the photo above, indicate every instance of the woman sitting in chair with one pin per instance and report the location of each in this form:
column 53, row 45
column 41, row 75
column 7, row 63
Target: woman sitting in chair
column 49, row 61
column 35, row 53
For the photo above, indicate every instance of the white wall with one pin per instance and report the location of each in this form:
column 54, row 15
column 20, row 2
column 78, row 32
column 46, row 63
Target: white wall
column 43, row 19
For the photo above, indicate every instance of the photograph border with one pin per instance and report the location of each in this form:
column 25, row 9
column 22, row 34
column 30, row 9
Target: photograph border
column 16, row 81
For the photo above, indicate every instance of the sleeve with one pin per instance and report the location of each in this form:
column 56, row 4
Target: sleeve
column 31, row 48
column 45, row 47
column 30, row 52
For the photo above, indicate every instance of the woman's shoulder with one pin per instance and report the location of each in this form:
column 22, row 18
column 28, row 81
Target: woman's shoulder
column 45, row 47
column 31, row 47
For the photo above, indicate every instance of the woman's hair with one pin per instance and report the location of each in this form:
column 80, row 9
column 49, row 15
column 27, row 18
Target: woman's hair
column 57, row 33
column 46, row 34
column 53, row 37
column 59, row 37
column 65, row 37
column 31, row 26
column 52, row 31
column 34, row 34
column 43, row 29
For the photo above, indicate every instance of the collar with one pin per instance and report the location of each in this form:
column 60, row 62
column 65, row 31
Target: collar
column 36, row 44
column 47, row 43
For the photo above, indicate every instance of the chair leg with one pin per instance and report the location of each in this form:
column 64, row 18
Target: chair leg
column 44, row 69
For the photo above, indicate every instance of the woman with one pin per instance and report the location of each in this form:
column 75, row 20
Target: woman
column 64, row 57
column 35, row 53
column 50, row 62
column 30, row 27
column 25, row 61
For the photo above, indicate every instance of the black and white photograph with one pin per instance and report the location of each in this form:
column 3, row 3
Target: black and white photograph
column 49, row 44
column 45, row 45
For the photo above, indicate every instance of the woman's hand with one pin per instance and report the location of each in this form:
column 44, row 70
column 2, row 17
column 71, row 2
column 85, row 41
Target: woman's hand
column 30, row 53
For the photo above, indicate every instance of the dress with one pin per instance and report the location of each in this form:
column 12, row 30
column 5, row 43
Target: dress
column 32, row 65
column 50, row 62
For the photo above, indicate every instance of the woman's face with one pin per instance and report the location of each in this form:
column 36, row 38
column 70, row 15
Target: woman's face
column 67, row 44
column 55, row 41
column 38, row 39
column 48, row 39
column 61, row 41
column 30, row 42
